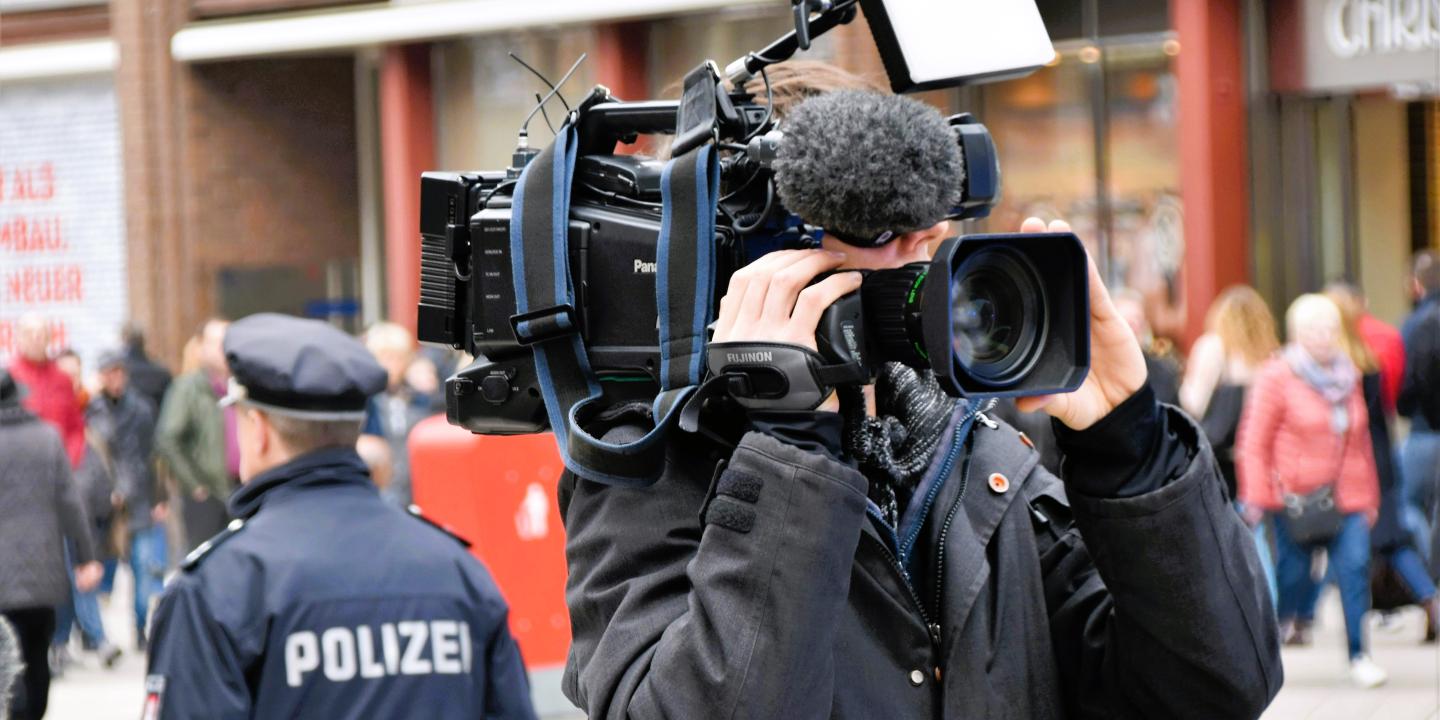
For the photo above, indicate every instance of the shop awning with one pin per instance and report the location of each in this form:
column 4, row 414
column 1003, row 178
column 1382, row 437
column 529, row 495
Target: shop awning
column 401, row 22
column 57, row 59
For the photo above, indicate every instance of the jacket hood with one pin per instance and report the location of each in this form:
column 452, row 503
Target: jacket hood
column 327, row 466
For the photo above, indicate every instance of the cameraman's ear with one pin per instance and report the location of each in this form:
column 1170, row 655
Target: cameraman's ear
column 929, row 237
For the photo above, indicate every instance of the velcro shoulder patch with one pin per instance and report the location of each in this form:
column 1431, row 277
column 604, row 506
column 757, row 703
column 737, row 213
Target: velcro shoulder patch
column 414, row 511
column 730, row 514
column 193, row 560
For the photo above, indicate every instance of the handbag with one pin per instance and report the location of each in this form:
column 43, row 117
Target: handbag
column 1313, row 518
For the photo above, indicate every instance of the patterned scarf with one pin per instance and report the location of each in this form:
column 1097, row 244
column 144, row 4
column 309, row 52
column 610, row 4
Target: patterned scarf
column 1335, row 381
column 895, row 449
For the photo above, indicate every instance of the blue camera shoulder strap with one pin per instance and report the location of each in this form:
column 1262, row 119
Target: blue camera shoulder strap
column 546, row 317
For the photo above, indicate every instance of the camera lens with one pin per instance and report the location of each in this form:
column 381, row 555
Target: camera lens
column 997, row 320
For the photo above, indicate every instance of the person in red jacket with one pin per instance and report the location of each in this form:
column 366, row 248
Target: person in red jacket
column 1305, row 427
column 1383, row 339
column 50, row 392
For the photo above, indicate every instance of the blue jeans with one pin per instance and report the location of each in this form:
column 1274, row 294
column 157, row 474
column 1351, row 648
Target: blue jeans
column 1420, row 471
column 82, row 609
column 148, row 555
column 1349, row 556
column 107, row 581
column 1411, row 569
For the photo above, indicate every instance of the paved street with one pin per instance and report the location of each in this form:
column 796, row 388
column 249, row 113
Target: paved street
column 1317, row 681
column 1317, row 686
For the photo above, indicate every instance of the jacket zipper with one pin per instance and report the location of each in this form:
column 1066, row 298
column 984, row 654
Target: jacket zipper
column 939, row 575
column 905, row 580
column 976, row 415
column 931, row 626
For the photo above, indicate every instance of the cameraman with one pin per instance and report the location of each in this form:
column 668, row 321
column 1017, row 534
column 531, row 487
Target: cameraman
column 921, row 563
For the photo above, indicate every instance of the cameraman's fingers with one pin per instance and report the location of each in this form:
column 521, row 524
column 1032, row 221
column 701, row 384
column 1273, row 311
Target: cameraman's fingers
column 724, row 318
column 731, row 305
column 1032, row 225
column 813, row 301
column 757, row 277
column 787, row 282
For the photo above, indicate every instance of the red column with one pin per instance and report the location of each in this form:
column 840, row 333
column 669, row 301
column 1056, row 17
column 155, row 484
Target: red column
column 621, row 59
column 407, row 148
column 1213, row 167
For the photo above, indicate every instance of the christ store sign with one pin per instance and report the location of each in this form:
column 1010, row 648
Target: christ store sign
column 1356, row 45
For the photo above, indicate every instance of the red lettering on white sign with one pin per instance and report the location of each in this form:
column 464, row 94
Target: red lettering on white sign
column 32, row 234
column 45, row 284
column 34, row 183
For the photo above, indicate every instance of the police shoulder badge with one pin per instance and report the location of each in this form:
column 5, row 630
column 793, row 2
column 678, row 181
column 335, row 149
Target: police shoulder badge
column 154, row 695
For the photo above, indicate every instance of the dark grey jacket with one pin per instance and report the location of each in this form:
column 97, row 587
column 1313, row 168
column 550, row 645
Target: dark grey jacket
column 769, row 591
column 39, row 507
column 127, row 426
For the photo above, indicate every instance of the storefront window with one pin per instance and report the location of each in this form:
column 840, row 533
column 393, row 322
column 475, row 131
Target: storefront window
column 1119, row 187
column 1044, row 133
column 1142, row 147
column 680, row 43
column 482, row 95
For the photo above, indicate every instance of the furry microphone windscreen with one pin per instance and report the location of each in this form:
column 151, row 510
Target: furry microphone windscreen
column 862, row 163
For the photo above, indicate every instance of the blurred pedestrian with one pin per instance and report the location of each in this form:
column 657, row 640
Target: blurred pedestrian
column 1305, row 456
column 1160, row 360
column 39, row 508
column 146, row 377
column 69, row 363
column 375, row 452
column 95, row 482
column 125, row 422
column 1394, row 551
column 1419, row 399
column 320, row 600
column 393, row 413
column 1239, row 337
column 196, row 438
column 50, row 392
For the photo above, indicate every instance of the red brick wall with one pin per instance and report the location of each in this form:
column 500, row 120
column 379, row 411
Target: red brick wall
column 270, row 165
column 227, row 165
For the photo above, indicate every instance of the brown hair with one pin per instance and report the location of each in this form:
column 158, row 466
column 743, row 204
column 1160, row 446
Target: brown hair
column 796, row 80
column 1242, row 320
column 1347, row 299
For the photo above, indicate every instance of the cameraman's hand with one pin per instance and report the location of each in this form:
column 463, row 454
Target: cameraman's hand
column 1117, row 367
column 772, row 300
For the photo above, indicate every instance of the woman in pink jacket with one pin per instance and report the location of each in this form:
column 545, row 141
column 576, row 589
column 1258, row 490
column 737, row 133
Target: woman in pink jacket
column 1305, row 428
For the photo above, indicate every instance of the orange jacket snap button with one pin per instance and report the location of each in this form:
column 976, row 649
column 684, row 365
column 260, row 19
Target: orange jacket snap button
column 999, row 483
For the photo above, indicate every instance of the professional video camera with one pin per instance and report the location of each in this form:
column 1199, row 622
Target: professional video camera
column 991, row 314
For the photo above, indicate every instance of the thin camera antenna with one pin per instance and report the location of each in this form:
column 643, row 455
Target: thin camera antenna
column 524, row 127
column 542, row 77
column 545, row 115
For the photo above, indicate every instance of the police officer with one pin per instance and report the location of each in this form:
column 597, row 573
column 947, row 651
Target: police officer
column 319, row 599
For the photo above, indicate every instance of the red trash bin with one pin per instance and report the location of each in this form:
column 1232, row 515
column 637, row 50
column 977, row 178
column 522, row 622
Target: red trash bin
column 499, row 494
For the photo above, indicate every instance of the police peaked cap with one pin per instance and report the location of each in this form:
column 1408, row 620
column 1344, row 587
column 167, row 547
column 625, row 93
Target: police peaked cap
column 302, row 368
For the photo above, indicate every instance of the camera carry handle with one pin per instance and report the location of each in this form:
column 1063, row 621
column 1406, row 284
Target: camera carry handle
column 545, row 298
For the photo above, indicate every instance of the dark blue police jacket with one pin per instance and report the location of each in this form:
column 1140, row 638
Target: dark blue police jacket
column 326, row 602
